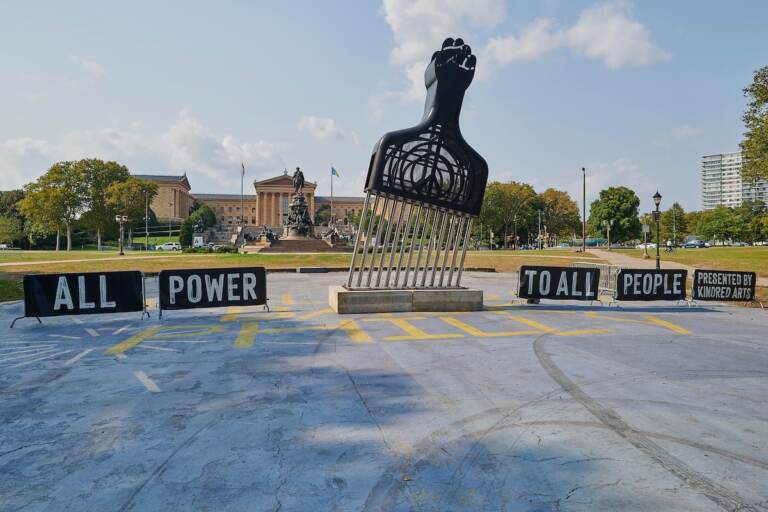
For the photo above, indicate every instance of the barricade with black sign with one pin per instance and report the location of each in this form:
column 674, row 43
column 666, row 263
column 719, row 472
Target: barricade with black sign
column 213, row 287
column 724, row 285
column 83, row 293
column 650, row 284
column 558, row 283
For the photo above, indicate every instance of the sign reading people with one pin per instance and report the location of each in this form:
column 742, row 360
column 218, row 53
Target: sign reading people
column 723, row 285
column 650, row 284
column 83, row 293
column 215, row 287
column 560, row 283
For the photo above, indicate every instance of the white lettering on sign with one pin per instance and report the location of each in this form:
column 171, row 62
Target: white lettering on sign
column 588, row 291
column 63, row 295
column 546, row 277
column 176, row 284
column 640, row 283
column 249, row 286
column 103, row 302
column 82, row 303
column 232, row 287
column 540, row 283
column 214, row 287
column 562, row 285
column 195, row 286
column 530, row 274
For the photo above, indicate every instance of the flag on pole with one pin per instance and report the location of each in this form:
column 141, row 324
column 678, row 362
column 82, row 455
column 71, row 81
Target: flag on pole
column 334, row 172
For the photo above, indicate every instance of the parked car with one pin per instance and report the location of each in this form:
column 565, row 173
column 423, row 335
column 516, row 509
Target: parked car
column 648, row 245
column 740, row 244
column 4, row 247
column 168, row 246
column 695, row 244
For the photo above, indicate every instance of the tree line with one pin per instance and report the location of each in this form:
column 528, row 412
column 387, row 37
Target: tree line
column 87, row 194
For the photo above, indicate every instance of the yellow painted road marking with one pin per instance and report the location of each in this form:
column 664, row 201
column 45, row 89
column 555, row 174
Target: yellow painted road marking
column 414, row 333
column 231, row 314
column 647, row 320
column 669, row 325
column 287, row 300
column 474, row 331
column 532, row 323
column 134, row 340
column 314, row 314
column 248, row 331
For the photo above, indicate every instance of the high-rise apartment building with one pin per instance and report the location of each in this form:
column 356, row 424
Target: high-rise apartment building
column 721, row 183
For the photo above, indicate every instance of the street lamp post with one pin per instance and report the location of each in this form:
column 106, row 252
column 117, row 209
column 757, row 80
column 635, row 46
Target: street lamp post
column 121, row 219
column 583, row 210
column 657, row 218
column 607, row 224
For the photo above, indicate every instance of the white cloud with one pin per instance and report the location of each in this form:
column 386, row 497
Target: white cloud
column 325, row 128
column 187, row 145
column 420, row 26
column 91, row 68
column 607, row 32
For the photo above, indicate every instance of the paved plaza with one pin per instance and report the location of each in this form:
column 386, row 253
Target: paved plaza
column 558, row 406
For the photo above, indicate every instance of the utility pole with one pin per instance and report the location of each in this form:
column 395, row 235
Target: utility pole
column 584, row 210
column 674, row 228
column 539, row 229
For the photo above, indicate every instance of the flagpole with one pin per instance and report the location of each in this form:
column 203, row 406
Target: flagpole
column 332, row 223
column 242, row 176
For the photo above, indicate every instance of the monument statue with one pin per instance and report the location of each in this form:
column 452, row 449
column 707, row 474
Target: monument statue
column 427, row 184
column 298, row 181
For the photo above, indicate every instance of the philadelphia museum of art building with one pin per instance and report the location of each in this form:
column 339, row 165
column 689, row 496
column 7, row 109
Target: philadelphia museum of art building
column 268, row 206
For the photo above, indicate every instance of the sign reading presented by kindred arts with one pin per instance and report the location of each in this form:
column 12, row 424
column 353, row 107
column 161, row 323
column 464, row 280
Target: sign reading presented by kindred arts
column 213, row 287
column 723, row 285
column 650, row 284
column 559, row 283
column 83, row 293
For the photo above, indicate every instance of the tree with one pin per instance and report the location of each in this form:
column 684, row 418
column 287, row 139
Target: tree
column 10, row 229
column 560, row 212
column 323, row 215
column 751, row 216
column 721, row 223
column 674, row 225
column 507, row 206
column 99, row 176
column 9, row 208
column 203, row 215
column 130, row 198
column 755, row 117
column 56, row 199
column 619, row 204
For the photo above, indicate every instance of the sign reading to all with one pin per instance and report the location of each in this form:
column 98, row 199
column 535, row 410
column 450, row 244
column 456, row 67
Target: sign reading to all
column 650, row 284
column 83, row 293
column 560, row 283
column 723, row 285
column 209, row 288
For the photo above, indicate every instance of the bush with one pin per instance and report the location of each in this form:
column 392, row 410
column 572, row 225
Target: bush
column 197, row 250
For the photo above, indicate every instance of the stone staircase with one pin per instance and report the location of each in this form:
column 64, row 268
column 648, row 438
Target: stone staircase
column 306, row 245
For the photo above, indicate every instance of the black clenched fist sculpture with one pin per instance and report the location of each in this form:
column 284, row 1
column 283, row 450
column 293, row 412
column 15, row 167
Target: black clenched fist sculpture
column 431, row 163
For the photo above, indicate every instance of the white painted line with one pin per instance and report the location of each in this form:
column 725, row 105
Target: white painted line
column 122, row 329
column 25, row 349
column 144, row 345
column 78, row 357
column 41, row 358
column 77, row 320
column 17, row 347
column 65, row 337
column 92, row 332
column 148, row 383
column 28, row 355
column 121, row 356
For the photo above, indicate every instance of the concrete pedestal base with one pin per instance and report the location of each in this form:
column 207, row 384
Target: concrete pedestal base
column 344, row 301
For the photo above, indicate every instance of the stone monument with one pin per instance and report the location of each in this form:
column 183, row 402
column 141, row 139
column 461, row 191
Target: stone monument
column 424, row 188
column 299, row 223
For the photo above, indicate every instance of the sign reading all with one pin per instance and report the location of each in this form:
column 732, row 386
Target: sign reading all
column 210, row 288
column 723, row 285
column 559, row 283
column 83, row 293
column 650, row 284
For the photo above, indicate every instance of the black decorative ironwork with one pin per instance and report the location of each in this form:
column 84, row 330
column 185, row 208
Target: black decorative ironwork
column 431, row 163
column 425, row 185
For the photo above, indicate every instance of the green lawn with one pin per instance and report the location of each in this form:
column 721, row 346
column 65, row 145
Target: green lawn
column 725, row 258
column 10, row 289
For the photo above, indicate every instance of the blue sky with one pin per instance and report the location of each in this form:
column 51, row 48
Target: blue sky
column 634, row 91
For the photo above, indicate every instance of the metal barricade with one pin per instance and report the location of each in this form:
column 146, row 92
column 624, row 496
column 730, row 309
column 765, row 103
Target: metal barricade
column 608, row 275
